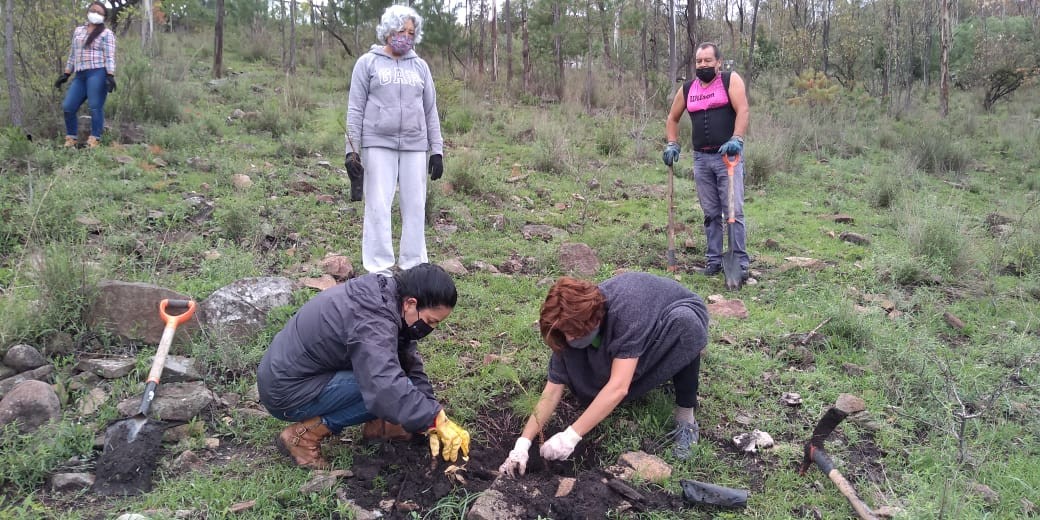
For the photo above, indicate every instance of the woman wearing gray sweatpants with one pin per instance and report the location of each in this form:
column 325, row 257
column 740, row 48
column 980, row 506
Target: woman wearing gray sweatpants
column 392, row 124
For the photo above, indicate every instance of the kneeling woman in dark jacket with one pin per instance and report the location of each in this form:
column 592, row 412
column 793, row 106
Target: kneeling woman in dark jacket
column 612, row 343
column 349, row 355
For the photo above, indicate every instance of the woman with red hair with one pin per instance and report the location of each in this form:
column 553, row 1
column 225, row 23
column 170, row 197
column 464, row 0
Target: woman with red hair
column 611, row 343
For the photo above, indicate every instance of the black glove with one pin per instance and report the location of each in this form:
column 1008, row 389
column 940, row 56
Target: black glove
column 356, row 174
column 61, row 80
column 436, row 167
column 110, row 83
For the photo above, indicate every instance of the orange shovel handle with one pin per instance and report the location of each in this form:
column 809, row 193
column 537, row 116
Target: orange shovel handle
column 730, row 163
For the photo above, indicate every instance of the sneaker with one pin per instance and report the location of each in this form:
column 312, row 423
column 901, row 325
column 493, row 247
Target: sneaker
column 683, row 437
column 711, row 269
column 70, row 142
column 93, row 142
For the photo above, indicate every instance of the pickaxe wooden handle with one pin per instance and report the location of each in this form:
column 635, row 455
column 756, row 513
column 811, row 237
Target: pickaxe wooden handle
column 815, row 452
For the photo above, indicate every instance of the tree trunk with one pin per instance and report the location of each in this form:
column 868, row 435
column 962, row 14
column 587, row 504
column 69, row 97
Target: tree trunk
column 644, row 58
column 691, row 30
column 494, row 41
column 14, row 93
column 886, row 67
column 281, row 27
column 588, row 58
column 483, row 36
column 751, row 51
column 509, row 44
column 558, row 49
column 526, row 50
column 291, row 66
column 828, row 9
column 672, row 61
column 944, row 59
column 605, row 29
column 218, row 42
column 317, row 34
column 147, row 23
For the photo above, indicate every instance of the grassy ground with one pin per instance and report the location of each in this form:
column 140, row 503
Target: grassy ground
column 950, row 208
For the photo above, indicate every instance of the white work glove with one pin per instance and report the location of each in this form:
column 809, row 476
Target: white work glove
column 517, row 461
column 561, row 445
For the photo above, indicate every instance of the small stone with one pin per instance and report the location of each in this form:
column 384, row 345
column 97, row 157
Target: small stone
column 888, row 511
column 791, row 399
column 850, row 404
column 953, row 321
column 984, row 492
column 565, row 487
column 241, row 181
column 242, row 506
column 71, row 481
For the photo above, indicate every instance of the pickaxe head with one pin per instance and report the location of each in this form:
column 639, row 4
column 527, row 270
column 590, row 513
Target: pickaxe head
column 846, row 404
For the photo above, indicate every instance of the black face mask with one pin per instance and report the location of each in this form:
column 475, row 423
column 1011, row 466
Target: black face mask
column 418, row 330
column 706, row 74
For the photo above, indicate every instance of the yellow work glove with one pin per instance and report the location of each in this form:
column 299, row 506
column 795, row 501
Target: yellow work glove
column 447, row 438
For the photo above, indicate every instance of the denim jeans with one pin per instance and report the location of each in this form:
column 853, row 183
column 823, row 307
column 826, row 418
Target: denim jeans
column 687, row 381
column 86, row 85
column 339, row 404
column 709, row 174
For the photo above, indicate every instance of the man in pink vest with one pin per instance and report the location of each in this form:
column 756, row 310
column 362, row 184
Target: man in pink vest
column 718, row 108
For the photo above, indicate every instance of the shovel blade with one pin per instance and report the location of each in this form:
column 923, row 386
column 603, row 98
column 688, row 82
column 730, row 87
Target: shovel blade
column 129, row 458
column 731, row 264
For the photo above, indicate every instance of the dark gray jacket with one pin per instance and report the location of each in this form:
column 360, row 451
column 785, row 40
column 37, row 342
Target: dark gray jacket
column 649, row 317
column 354, row 326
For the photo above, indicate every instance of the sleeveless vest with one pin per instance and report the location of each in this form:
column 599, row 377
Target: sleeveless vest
column 711, row 113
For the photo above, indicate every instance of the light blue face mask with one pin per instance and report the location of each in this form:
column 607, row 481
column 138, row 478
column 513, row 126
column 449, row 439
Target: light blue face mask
column 584, row 341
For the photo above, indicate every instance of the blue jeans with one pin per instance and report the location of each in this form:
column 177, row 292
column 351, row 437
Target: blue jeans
column 86, row 85
column 339, row 404
column 709, row 174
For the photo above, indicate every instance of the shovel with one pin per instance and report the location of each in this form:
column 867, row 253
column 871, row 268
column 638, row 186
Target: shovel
column 671, row 219
column 730, row 261
column 131, row 446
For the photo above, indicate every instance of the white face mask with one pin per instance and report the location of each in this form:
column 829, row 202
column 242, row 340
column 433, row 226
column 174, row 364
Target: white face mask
column 95, row 18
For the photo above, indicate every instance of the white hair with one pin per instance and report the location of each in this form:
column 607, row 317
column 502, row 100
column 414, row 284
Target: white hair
column 393, row 21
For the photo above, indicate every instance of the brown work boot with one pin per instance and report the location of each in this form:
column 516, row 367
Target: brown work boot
column 301, row 442
column 70, row 142
column 93, row 142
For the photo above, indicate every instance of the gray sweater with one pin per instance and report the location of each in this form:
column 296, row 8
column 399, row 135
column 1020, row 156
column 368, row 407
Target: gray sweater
column 393, row 104
column 654, row 319
column 354, row 326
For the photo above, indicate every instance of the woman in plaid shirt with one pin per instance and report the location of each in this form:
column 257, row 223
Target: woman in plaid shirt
column 93, row 59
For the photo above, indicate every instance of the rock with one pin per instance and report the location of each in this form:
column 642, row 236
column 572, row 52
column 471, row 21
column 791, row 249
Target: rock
column 850, row 404
column 646, row 466
column 237, row 113
column 338, row 267
column 31, row 404
column 187, row 461
column 485, row 267
column 239, row 310
column 791, row 399
column 91, row 401
column 180, row 432
column 37, row 374
column 173, row 402
column 454, row 266
column 24, row 357
column 799, row 262
column 771, row 244
column 253, row 394
column 728, row 309
column 242, row 506
column 178, row 369
column 320, row 283
column 107, row 368
column 953, row 321
column 131, row 311
column 1028, row 507
column 6, row 371
column 853, row 369
column 497, row 222
column 83, row 381
column 58, row 344
column 63, row 482
column 241, row 181
column 542, row 232
column 565, row 487
column 580, row 259
column 132, row 516
column 324, row 480
column 854, row 238
column 984, row 492
column 493, row 505
column 888, row 511
column 357, row 512
column 840, row 218
column 752, row 442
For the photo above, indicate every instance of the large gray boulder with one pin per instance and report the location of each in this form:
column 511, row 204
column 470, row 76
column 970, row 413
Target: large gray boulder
column 37, row 374
column 173, row 402
column 131, row 311
column 31, row 404
column 24, row 357
column 239, row 311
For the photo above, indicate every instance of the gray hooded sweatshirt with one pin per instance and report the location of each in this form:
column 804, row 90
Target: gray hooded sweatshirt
column 353, row 326
column 393, row 104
